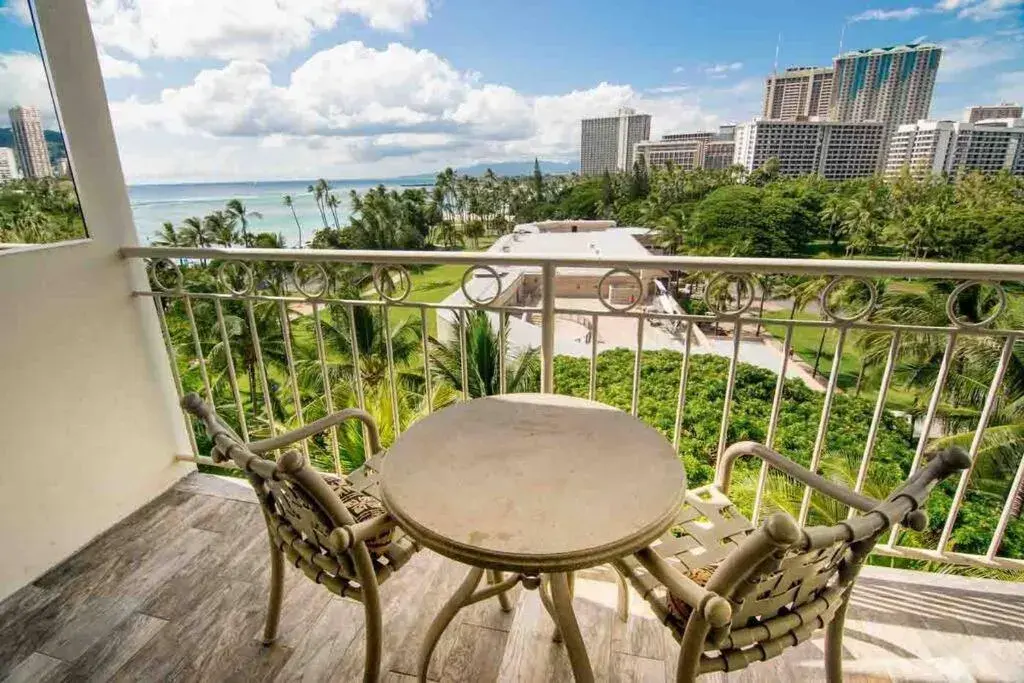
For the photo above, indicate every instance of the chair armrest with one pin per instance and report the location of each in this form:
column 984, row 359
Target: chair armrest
column 723, row 475
column 321, row 425
column 344, row 537
column 712, row 607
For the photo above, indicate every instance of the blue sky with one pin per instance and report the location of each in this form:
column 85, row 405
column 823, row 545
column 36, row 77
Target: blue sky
column 266, row 89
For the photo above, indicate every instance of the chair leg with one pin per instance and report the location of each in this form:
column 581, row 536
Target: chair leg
column 374, row 641
column 493, row 577
column 834, row 645
column 444, row 617
column 276, row 594
column 623, row 603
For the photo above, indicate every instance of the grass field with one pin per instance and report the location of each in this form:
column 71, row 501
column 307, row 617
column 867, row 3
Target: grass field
column 805, row 344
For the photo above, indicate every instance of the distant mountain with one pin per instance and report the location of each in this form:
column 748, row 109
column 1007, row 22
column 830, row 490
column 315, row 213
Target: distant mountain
column 54, row 142
column 519, row 168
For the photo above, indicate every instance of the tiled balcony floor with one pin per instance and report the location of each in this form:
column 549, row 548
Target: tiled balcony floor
column 178, row 592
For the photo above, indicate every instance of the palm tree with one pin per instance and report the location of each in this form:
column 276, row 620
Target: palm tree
column 483, row 351
column 447, row 234
column 236, row 209
column 318, row 196
column 220, row 226
column 291, row 205
column 670, row 231
column 332, row 203
column 168, row 236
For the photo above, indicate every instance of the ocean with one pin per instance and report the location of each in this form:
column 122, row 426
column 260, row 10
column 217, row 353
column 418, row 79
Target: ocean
column 154, row 204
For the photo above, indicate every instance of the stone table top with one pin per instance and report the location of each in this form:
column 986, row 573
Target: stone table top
column 533, row 482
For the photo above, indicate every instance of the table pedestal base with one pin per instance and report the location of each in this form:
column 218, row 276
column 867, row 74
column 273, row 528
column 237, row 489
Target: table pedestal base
column 556, row 594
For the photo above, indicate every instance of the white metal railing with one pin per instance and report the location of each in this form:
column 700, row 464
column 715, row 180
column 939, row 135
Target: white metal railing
column 287, row 280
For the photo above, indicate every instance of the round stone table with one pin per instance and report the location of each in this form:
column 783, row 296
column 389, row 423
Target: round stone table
column 533, row 484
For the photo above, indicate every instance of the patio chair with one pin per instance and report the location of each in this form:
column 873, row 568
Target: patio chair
column 334, row 529
column 733, row 595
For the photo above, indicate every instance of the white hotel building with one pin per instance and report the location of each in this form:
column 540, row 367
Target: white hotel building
column 832, row 149
column 951, row 147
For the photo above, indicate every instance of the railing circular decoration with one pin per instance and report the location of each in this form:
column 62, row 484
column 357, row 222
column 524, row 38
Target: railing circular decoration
column 717, row 292
column 630, row 305
column 166, row 265
column 954, row 297
column 469, row 274
column 388, row 286
column 861, row 313
column 231, row 273
column 311, row 285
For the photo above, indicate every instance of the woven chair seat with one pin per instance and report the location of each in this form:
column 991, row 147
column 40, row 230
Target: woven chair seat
column 707, row 528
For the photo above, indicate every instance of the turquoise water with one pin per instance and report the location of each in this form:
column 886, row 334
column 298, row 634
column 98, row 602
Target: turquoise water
column 154, row 204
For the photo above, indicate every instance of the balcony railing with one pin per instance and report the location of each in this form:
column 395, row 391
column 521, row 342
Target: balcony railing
column 944, row 335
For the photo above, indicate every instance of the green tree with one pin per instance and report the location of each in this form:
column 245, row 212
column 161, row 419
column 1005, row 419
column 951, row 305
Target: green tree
column 483, row 353
column 290, row 203
column 236, row 209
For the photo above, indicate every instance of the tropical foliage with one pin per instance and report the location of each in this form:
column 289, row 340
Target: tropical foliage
column 39, row 211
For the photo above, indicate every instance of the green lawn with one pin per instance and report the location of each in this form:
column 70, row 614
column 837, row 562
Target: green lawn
column 805, row 345
column 430, row 284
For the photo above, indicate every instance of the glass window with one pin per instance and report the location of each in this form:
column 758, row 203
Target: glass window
column 38, row 200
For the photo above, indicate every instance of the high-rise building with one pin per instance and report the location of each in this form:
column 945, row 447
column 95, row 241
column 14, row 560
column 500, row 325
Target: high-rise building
column 8, row 166
column 798, row 93
column 951, row 147
column 892, row 85
column 606, row 144
column 995, row 111
column 832, row 149
column 33, row 155
column 702, row 149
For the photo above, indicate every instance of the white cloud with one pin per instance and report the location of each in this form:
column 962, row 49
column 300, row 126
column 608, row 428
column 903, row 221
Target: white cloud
column 352, row 110
column 723, row 68
column 668, row 89
column 23, row 82
column 963, row 55
column 887, row 14
column 679, row 69
column 113, row 67
column 17, row 9
column 980, row 10
column 236, row 29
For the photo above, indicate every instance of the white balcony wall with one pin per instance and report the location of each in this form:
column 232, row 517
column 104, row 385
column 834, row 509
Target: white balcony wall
column 88, row 427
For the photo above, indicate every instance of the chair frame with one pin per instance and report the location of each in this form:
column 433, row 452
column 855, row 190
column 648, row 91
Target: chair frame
column 826, row 559
column 316, row 553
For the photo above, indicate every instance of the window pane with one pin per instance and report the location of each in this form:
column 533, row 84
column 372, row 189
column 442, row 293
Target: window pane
column 38, row 200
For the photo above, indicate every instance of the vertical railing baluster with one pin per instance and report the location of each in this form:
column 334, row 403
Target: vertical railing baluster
column 199, row 350
column 979, row 436
column 876, row 418
column 261, row 368
column 684, row 371
column 826, row 413
column 592, row 391
column 232, row 377
column 502, row 352
column 427, row 379
column 293, row 378
column 773, row 422
column 321, row 353
column 1004, row 516
column 393, row 381
column 634, row 404
column 175, row 375
column 926, row 426
column 723, row 429
column 357, row 373
column 547, row 330
column 464, row 353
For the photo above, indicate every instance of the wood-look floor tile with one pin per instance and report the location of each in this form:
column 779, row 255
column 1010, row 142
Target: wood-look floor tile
column 103, row 659
column 37, row 668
